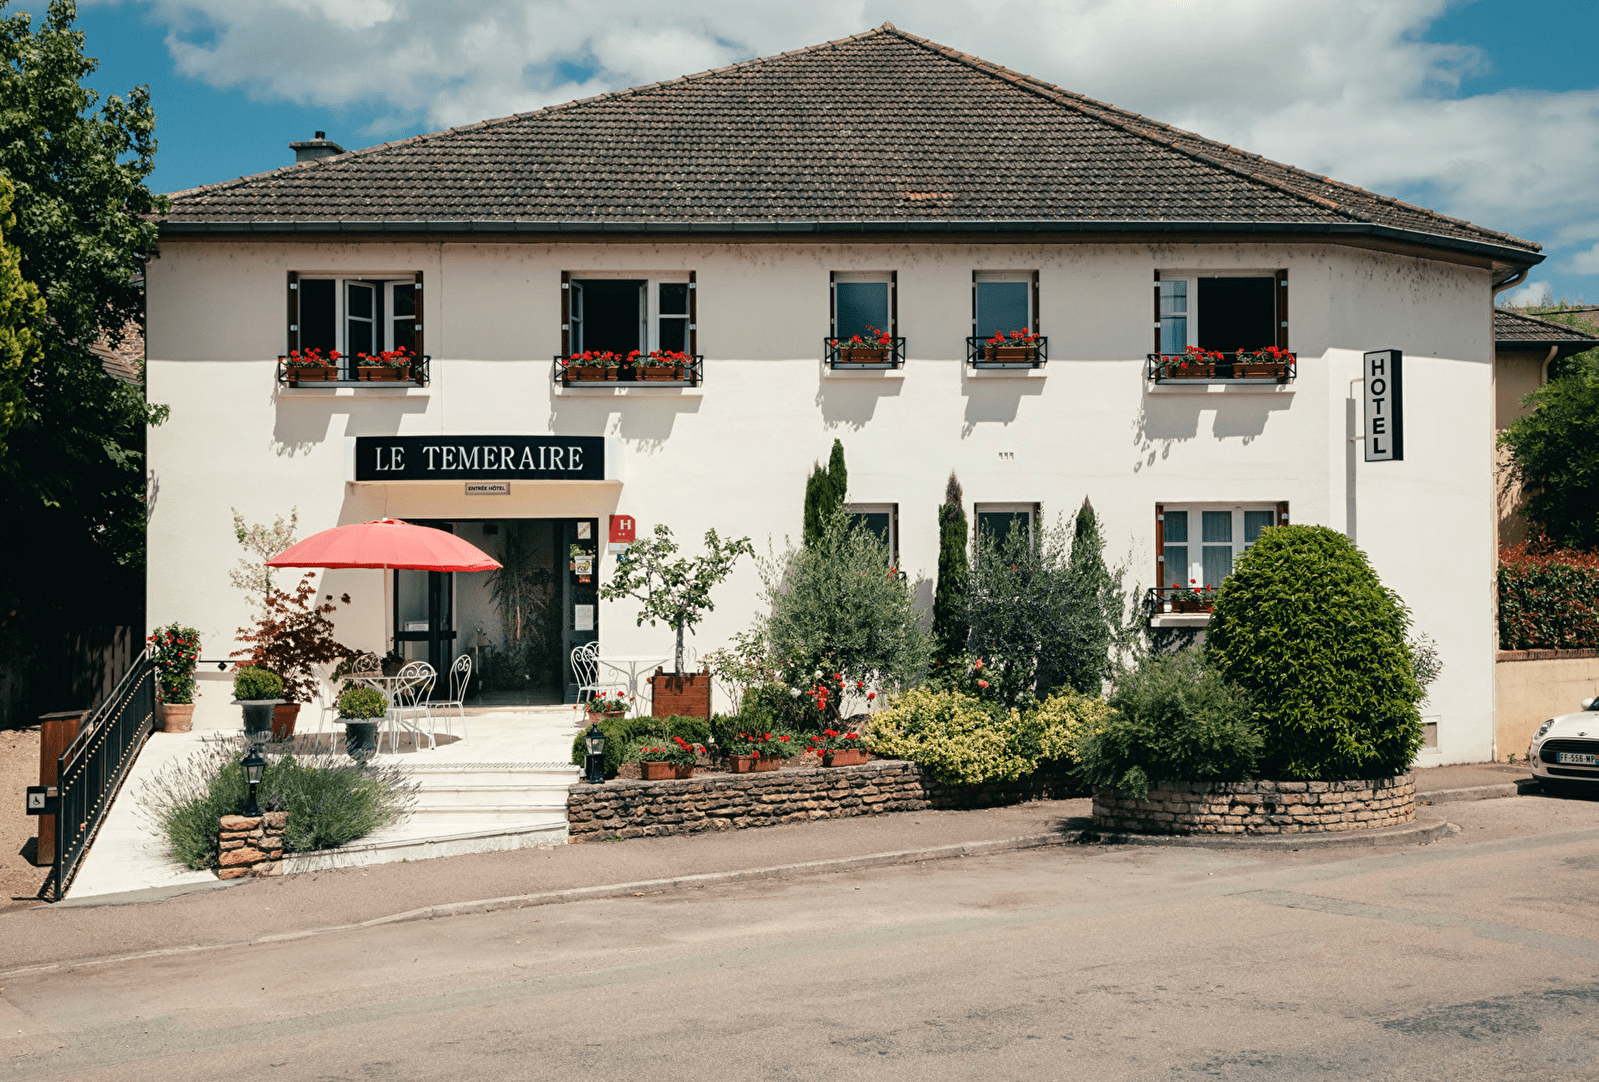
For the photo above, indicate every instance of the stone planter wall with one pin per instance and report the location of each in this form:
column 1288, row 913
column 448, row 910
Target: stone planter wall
column 251, row 845
column 633, row 809
column 1259, row 807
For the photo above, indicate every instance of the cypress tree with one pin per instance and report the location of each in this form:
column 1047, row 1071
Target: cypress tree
column 837, row 476
column 950, row 622
column 825, row 490
column 1095, row 601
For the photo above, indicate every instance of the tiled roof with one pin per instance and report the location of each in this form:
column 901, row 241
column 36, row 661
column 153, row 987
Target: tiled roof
column 1512, row 328
column 884, row 129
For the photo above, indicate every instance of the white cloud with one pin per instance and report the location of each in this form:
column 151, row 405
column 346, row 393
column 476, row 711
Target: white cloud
column 1346, row 88
column 1531, row 293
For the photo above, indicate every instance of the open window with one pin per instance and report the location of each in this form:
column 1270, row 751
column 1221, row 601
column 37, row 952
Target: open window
column 881, row 519
column 620, row 313
column 1221, row 311
column 369, row 314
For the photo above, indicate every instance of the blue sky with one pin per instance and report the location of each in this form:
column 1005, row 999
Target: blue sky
column 1484, row 110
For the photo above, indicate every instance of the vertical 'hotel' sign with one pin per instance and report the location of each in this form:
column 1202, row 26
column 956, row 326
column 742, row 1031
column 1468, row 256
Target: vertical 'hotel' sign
column 1385, row 406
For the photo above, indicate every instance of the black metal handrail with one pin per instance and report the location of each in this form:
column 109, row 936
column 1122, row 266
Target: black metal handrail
column 1167, row 600
column 345, row 374
column 627, row 375
column 893, row 357
column 1175, row 368
column 977, row 350
column 93, row 766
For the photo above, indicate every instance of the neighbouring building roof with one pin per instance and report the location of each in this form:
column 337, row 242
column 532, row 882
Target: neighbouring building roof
column 883, row 131
column 124, row 361
column 1518, row 331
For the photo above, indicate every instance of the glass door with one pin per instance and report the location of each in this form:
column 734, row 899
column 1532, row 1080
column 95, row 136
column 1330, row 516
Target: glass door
column 424, row 619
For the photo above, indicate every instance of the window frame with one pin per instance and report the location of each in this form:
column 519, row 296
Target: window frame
column 1191, row 277
column 1028, row 278
column 572, row 319
column 888, row 277
column 1195, row 544
column 1034, row 512
column 383, row 298
column 890, row 509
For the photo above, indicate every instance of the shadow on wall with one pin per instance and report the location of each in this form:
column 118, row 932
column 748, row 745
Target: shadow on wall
column 305, row 422
column 1167, row 420
column 994, row 401
column 645, row 421
column 851, row 403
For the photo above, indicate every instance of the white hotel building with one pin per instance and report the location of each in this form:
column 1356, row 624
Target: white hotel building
column 748, row 215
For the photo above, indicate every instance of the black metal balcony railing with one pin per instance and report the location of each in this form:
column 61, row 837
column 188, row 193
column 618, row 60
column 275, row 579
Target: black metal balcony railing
column 979, row 354
column 627, row 375
column 1169, row 600
column 1171, row 368
column 349, row 372
column 840, row 354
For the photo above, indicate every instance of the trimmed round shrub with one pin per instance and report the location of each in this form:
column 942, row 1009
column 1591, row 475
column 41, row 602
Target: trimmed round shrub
column 362, row 704
column 1174, row 720
column 1306, row 628
column 254, row 682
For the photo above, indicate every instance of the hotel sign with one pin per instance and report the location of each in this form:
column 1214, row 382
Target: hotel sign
column 1385, row 406
column 479, row 458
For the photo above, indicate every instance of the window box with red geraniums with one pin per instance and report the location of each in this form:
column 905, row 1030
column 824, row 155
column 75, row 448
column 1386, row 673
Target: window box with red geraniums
column 1015, row 347
column 593, row 366
column 1268, row 362
column 875, row 347
column 839, row 748
column 390, row 366
column 674, row 760
column 1192, row 363
column 1193, row 597
column 755, row 752
column 609, row 704
column 310, row 366
column 659, row 364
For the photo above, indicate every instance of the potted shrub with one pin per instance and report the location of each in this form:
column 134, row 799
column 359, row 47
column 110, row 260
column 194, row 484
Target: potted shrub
column 390, row 366
column 360, row 711
column 392, row 663
column 1268, row 362
column 257, row 691
column 875, row 347
column 676, row 590
column 310, row 366
column 175, row 650
column 1013, row 348
column 661, row 365
column 838, row 748
column 292, row 637
column 608, row 704
column 674, row 759
column 1192, row 363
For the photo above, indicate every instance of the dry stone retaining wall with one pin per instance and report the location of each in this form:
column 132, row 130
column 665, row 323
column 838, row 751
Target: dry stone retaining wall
column 251, row 845
column 1259, row 807
column 633, row 809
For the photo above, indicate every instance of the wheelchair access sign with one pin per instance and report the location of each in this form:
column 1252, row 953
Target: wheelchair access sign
column 43, row 800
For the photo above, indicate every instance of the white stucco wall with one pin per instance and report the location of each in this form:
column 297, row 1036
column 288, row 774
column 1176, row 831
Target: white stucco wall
column 734, row 454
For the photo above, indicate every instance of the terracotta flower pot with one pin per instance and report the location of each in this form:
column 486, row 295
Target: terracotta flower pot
column 848, row 355
column 741, row 764
column 658, row 771
column 284, row 716
column 589, row 373
column 308, row 374
column 1260, row 371
column 176, row 717
column 767, row 762
column 659, row 373
column 1012, row 354
column 1190, row 371
column 382, row 373
column 845, row 757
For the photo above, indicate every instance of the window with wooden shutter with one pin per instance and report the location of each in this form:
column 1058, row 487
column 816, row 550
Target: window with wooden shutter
column 1282, row 311
column 1160, row 545
column 294, row 312
column 1282, row 513
column 693, row 315
column 416, row 317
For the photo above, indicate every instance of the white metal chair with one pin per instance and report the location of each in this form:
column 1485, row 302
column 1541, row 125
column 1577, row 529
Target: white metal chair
column 410, row 706
column 586, row 670
column 460, row 680
column 327, row 706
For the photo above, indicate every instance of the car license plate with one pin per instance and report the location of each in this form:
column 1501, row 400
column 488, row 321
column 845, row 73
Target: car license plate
column 1579, row 758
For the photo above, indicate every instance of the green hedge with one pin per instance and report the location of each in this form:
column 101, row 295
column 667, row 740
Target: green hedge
column 1548, row 600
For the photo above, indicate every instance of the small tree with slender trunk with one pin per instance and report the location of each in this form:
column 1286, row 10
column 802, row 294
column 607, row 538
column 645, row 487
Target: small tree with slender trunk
column 672, row 589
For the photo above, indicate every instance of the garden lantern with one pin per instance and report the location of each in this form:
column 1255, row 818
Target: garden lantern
column 253, row 766
column 595, row 739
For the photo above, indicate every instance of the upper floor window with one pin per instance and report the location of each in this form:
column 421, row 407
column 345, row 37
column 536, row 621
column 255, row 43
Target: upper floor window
column 1225, row 312
column 864, row 302
column 621, row 312
column 369, row 314
column 1004, row 301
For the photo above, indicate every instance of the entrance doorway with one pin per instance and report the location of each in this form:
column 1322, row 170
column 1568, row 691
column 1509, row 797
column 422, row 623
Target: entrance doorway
column 519, row 623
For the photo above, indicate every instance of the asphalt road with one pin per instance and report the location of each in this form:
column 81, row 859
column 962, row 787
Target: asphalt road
column 1473, row 958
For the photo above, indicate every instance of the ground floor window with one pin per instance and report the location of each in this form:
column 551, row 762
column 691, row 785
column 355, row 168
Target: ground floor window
column 995, row 521
column 882, row 519
column 1196, row 544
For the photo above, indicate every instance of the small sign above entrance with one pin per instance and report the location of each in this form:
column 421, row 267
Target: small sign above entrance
column 479, row 458
column 624, row 531
column 488, row 488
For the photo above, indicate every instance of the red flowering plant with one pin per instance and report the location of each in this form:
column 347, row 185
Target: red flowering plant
column 1204, row 595
column 835, row 740
column 873, row 339
column 175, row 650
column 311, row 358
column 783, row 745
column 610, row 704
column 389, row 358
column 662, row 358
column 1194, row 355
column 1265, row 355
column 677, row 751
column 1018, row 339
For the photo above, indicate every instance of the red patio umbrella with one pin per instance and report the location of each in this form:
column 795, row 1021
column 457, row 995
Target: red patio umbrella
column 388, row 544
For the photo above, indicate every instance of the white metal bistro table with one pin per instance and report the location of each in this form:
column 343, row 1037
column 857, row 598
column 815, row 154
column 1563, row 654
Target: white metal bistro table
column 631, row 664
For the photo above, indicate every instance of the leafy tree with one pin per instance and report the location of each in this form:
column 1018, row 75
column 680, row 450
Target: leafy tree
column 1554, row 453
column 21, row 313
column 675, row 590
column 824, row 493
column 72, row 483
column 1306, row 628
column 951, row 595
column 1097, row 595
column 292, row 636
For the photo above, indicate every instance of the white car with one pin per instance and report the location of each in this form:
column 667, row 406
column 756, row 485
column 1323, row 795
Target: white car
column 1566, row 749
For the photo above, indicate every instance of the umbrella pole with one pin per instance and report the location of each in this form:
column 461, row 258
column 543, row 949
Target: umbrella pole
column 386, row 609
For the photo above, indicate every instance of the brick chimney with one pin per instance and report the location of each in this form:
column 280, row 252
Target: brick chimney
column 313, row 149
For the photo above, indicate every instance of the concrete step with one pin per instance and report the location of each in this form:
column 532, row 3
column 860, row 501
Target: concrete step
column 448, row 794
column 438, row 819
column 396, row 844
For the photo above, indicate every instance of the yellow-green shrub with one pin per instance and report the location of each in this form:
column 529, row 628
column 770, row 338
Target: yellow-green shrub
column 961, row 739
column 1062, row 720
